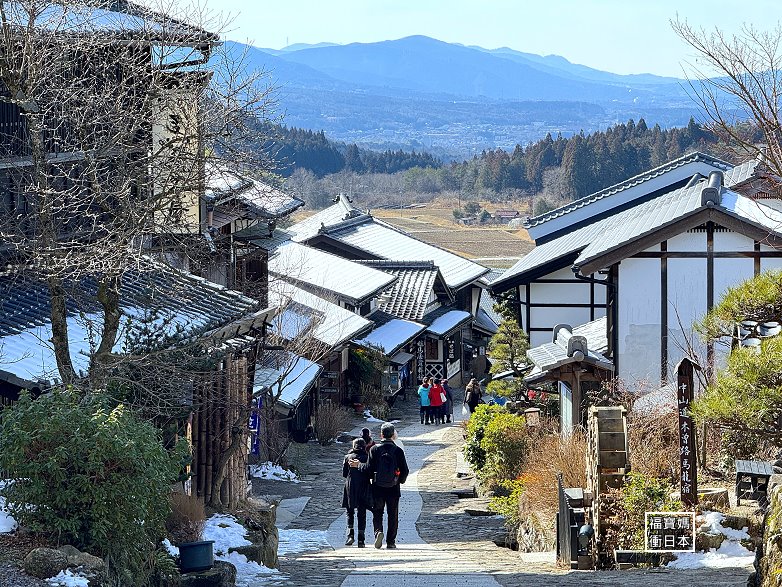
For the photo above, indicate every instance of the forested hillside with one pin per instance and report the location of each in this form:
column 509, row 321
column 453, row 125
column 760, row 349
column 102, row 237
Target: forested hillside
column 555, row 168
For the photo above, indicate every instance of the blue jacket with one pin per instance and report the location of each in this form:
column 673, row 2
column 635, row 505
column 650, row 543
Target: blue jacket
column 423, row 396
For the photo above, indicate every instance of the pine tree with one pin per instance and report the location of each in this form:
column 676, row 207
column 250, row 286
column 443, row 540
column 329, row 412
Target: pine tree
column 508, row 352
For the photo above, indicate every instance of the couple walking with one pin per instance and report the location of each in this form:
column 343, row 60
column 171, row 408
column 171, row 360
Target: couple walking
column 436, row 401
column 372, row 482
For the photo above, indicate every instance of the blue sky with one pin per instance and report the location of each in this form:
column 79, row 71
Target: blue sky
column 622, row 36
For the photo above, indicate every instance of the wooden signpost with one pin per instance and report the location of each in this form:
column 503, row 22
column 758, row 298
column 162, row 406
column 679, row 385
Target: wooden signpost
column 688, row 478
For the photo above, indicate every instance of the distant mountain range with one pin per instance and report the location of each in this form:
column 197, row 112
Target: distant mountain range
column 455, row 100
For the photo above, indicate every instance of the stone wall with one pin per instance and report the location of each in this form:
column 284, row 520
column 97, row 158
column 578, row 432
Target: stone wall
column 769, row 563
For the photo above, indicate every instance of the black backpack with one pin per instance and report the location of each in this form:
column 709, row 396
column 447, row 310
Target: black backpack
column 387, row 470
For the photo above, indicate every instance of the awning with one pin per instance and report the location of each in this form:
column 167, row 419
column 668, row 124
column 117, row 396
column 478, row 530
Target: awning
column 448, row 322
column 285, row 375
column 392, row 336
column 401, row 358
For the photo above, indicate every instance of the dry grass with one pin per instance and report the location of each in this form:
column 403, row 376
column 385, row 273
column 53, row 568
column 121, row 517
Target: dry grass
column 329, row 420
column 187, row 519
column 540, row 502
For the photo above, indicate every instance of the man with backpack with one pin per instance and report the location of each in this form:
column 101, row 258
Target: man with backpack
column 388, row 470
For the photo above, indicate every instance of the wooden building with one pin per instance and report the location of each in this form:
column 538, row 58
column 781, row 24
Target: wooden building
column 649, row 256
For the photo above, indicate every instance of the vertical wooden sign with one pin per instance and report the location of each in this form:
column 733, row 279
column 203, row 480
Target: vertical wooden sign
column 688, row 477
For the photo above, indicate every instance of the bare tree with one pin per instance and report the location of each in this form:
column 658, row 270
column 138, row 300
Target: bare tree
column 110, row 111
column 737, row 82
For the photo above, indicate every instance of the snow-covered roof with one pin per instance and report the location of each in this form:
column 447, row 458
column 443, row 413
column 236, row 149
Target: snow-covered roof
column 448, row 321
column 176, row 301
column 226, row 187
column 303, row 312
column 392, row 335
column 116, row 17
column 287, row 374
column 376, row 239
column 313, row 268
column 588, row 246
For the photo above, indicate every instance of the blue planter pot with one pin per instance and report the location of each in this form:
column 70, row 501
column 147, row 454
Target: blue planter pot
column 196, row 556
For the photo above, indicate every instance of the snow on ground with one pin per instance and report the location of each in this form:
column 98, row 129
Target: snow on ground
column 68, row 579
column 227, row 532
column 292, row 541
column 268, row 470
column 730, row 554
column 7, row 523
column 370, row 418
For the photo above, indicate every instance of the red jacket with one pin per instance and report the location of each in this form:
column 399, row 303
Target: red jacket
column 434, row 395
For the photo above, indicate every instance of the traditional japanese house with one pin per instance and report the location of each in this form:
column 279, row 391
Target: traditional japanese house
column 175, row 305
column 649, row 257
column 446, row 305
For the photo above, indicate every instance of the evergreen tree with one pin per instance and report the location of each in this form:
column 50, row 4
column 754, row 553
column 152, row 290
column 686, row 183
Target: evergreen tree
column 508, row 352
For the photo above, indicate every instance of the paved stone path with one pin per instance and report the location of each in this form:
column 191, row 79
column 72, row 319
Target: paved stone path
column 438, row 543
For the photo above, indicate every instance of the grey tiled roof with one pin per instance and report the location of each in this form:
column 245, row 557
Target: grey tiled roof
column 409, row 296
column 628, row 183
column 109, row 17
column 595, row 240
column 318, row 270
column 310, row 226
column 183, row 303
column 237, row 195
column 596, row 333
column 741, row 173
column 555, row 354
column 382, row 240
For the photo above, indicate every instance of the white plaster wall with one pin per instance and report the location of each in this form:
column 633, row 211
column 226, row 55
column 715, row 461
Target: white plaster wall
column 686, row 304
column 539, row 338
column 730, row 273
column 523, row 293
column 732, row 241
column 770, row 263
column 688, row 241
column 561, row 293
column 639, row 320
column 550, row 317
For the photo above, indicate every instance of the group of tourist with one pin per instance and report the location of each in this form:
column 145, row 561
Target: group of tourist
column 374, row 471
column 373, row 474
column 436, row 400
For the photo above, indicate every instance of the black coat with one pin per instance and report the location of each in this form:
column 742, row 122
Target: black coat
column 357, row 492
column 401, row 461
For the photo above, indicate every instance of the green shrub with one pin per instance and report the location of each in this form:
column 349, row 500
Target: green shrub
column 506, row 502
column 476, row 426
column 626, row 508
column 505, row 444
column 94, row 478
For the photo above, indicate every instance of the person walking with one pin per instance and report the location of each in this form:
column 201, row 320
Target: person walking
column 423, row 398
column 357, row 494
column 448, row 407
column 387, row 468
column 437, row 401
column 367, row 437
column 473, row 394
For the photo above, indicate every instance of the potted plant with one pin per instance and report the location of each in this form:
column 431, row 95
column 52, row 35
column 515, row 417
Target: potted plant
column 185, row 526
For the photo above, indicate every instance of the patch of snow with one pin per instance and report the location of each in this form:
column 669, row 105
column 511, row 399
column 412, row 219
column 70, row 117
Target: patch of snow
column 7, row 523
column 292, row 541
column 269, row 471
column 730, row 554
column 226, row 532
column 370, row 418
column 170, row 548
column 68, row 579
column 249, row 573
column 712, row 524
